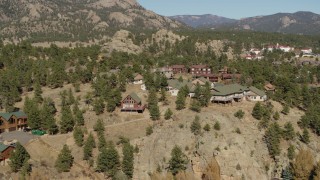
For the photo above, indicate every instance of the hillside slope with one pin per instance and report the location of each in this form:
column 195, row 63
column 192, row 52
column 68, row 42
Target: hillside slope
column 81, row 20
column 205, row 20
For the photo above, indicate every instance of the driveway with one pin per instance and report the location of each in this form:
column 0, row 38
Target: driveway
column 22, row 137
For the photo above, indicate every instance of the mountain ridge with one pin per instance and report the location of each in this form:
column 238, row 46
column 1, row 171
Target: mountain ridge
column 301, row 22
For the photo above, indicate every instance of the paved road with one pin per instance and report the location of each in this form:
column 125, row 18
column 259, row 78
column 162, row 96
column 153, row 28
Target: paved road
column 22, row 137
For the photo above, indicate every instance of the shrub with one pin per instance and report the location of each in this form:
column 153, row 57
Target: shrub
column 217, row 126
column 207, row 127
column 149, row 130
column 239, row 114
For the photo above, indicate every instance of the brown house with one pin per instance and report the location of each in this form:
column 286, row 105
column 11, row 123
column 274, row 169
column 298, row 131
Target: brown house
column 179, row 69
column 5, row 151
column 199, row 70
column 12, row 121
column 132, row 103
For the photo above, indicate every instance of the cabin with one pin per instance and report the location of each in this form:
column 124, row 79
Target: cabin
column 198, row 70
column 13, row 121
column 256, row 94
column 179, row 69
column 224, row 70
column 269, row 88
column 138, row 79
column 5, row 151
column 166, row 71
column 132, row 103
column 306, row 50
column 230, row 76
column 255, row 51
column 229, row 93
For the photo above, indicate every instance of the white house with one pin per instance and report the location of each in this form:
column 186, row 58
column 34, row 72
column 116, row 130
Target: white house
column 255, row 51
column 306, row 50
column 256, row 94
column 285, row 48
column 175, row 85
column 138, row 79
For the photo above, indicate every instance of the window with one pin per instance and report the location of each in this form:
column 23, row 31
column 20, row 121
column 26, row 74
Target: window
column 12, row 121
column 1, row 122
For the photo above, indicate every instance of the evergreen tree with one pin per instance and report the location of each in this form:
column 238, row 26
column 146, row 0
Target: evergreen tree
column 195, row 106
column 108, row 160
column 288, row 133
column 272, row 138
column 98, row 106
column 291, row 152
column 196, row 126
column 286, row 109
column 88, row 147
column 178, row 161
column 47, row 115
column 287, row 174
column 153, row 105
column 276, row 116
column 305, row 136
column 71, row 100
column 257, row 111
column 102, row 142
column 181, row 100
column 65, row 160
column 78, row 136
column 37, row 92
column 99, row 126
column 79, row 119
column 128, row 159
column 34, row 118
column 66, row 122
column 168, row 114
column 18, row 157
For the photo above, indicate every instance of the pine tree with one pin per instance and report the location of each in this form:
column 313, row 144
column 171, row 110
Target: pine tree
column 99, row 126
column 168, row 114
column 65, row 160
column 78, row 136
column 37, row 92
column 128, row 159
column 286, row 109
column 66, row 122
column 196, row 126
column 257, row 111
column 47, row 115
column 102, row 142
column 287, row 174
column 305, row 136
column 181, row 100
column 276, row 116
column 178, row 161
column 108, row 160
column 163, row 96
column 288, row 132
column 34, row 118
column 79, row 119
column 195, row 106
column 272, row 138
column 153, row 105
column 71, row 99
column 98, row 106
column 291, row 152
column 88, row 147
column 18, row 157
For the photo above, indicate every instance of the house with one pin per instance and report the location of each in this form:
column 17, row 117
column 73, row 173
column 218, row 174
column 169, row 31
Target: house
column 198, row 70
column 166, row 71
column 179, row 69
column 256, row 94
column 132, row 103
column 13, row 121
column 202, row 81
column 229, row 93
column 175, row 85
column 269, row 88
column 285, row 48
column 230, row 76
column 224, row 70
column 138, row 79
column 255, row 51
column 306, row 50
column 212, row 77
column 5, row 151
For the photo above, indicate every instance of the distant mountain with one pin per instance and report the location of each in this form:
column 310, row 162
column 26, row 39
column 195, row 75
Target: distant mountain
column 293, row 23
column 206, row 20
column 75, row 19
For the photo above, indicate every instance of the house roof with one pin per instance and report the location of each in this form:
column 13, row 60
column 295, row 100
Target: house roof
column 3, row 147
column 229, row 89
column 138, row 77
column 199, row 66
column 18, row 114
column 174, row 83
column 257, row 91
column 269, row 87
column 135, row 97
column 178, row 66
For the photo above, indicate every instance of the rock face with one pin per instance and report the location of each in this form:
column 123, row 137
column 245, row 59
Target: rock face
column 120, row 42
column 75, row 19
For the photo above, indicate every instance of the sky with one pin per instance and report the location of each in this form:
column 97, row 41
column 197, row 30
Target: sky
column 229, row 8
